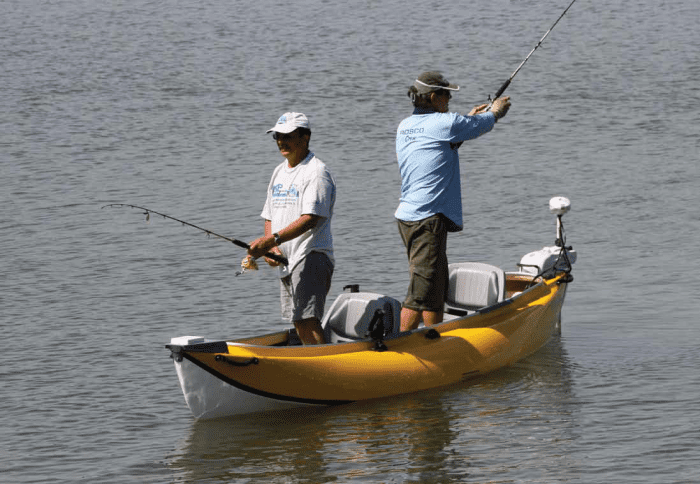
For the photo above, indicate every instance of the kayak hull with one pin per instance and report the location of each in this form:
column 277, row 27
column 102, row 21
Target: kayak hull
column 210, row 396
column 221, row 378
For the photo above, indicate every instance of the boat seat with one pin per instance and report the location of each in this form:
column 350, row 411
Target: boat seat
column 350, row 315
column 473, row 285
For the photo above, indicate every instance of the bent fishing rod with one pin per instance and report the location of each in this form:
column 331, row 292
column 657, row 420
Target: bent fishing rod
column 507, row 83
column 239, row 243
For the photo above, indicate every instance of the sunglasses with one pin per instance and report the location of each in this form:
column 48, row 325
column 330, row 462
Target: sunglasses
column 285, row 136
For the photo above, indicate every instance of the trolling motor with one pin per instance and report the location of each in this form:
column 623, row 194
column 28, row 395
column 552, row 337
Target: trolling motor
column 559, row 206
column 558, row 258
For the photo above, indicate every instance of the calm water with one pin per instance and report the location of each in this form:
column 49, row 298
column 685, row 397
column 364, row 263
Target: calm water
column 165, row 104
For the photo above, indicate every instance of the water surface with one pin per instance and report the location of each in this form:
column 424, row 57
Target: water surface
column 165, row 104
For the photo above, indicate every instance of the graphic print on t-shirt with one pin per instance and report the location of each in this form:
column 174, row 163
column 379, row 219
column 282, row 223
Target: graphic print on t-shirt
column 284, row 197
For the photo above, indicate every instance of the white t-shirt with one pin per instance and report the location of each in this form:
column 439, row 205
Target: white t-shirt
column 308, row 188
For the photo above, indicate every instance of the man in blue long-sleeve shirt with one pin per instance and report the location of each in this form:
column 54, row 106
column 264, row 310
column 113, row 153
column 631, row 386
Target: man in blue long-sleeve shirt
column 431, row 197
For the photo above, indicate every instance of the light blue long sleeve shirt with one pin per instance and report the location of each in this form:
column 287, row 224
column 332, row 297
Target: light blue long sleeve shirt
column 426, row 148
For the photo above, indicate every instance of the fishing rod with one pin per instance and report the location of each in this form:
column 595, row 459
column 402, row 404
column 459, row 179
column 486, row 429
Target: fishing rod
column 507, row 83
column 239, row 243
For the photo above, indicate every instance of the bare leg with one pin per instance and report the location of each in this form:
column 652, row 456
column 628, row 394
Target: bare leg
column 410, row 318
column 432, row 317
column 310, row 331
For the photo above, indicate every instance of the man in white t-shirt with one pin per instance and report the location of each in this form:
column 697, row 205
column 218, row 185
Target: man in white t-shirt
column 297, row 213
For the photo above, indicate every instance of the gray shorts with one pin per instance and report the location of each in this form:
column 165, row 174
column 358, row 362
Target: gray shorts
column 303, row 292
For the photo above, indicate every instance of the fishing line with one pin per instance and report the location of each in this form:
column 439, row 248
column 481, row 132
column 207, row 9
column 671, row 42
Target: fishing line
column 239, row 243
column 507, row 83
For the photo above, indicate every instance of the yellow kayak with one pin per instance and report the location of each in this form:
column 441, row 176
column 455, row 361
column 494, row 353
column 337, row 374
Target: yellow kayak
column 222, row 378
column 492, row 319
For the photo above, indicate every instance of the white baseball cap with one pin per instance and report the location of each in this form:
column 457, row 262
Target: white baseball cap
column 288, row 122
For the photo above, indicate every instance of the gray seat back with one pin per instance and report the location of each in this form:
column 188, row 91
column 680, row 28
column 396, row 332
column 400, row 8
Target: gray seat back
column 473, row 285
column 349, row 316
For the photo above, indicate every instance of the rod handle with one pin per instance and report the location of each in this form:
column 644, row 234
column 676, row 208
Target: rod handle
column 281, row 259
column 502, row 89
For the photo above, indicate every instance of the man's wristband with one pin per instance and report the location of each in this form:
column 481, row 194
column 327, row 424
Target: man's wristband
column 278, row 239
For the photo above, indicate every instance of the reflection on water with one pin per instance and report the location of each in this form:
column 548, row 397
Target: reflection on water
column 441, row 435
